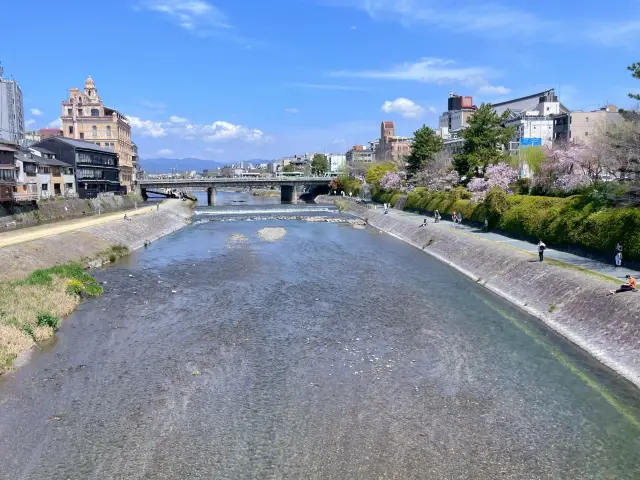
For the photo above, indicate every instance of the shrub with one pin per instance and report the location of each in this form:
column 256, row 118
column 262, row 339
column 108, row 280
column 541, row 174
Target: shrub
column 75, row 287
column 93, row 290
column 112, row 258
column 28, row 331
column 48, row 320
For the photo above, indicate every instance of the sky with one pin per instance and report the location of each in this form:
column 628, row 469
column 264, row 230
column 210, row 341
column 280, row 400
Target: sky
column 232, row 80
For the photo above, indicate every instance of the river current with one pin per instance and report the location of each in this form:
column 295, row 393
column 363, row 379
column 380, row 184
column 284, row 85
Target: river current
column 331, row 353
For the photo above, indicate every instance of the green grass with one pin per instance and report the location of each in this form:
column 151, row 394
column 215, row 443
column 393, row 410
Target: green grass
column 72, row 271
column 48, row 320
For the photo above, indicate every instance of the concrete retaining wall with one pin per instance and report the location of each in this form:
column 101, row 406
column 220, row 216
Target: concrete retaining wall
column 571, row 302
column 52, row 210
column 17, row 261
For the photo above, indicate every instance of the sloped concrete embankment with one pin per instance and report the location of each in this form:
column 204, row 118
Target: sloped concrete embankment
column 21, row 259
column 61, row 209
column 571, row 302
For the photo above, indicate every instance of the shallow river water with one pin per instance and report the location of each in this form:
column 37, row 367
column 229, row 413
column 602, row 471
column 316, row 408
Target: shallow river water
column 333, row 353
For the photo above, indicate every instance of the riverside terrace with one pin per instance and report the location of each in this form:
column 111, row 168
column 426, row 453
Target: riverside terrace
column 290, row 187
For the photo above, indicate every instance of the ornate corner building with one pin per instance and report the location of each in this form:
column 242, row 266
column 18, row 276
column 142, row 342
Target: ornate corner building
column 85, row 117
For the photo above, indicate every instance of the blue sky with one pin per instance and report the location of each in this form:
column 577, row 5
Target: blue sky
column 230, row 79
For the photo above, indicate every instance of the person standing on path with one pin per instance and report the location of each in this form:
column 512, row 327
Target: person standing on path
column 618, row 257
column 460, row 218
column 454, row 218
column 486, row 225
column 541, row 248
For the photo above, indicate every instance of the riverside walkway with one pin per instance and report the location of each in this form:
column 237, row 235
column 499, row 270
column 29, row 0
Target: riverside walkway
column 593, row 265
column 55, row 228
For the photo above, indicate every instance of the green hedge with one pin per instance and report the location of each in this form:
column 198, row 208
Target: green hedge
column 574, row 220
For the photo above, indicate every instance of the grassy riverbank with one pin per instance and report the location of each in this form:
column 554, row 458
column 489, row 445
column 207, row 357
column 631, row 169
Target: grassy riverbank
column 33, row 308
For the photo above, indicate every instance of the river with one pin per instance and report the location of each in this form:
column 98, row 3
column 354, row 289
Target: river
column 333, row 353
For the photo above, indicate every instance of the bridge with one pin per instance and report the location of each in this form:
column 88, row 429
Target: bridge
column 289, row 186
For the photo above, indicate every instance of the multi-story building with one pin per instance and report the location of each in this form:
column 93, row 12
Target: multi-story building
column 49, row 132
column 60, row 175
column 96, row 168
column 135, row 162
column 336, row 162
column 7, row 172
column 31, row 137
column 581, row 127
column 392, row 147
column 85, row 117
column 11, row 111
column 360, row 154
column 459, row 110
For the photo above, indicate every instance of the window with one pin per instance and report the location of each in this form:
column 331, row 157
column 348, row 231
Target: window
column 108, row 130
column 71, row 129
column 44, row 170
column 81, row 134
column 586, row 119
column 69, row 111
column 94, row 131
column 79, row 112
column 68, row 186
column 44, row 187
column 586, row 134
column 95, row 112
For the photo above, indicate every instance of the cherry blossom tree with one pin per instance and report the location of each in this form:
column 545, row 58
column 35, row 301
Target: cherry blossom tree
column 391, row 181
column 440, row 180
column 500, row 175
column 571, row 167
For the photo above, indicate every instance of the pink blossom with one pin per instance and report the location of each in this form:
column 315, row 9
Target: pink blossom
column 500, row 176
column 391, row 181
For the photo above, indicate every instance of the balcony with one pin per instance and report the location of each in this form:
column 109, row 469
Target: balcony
column 25, row 196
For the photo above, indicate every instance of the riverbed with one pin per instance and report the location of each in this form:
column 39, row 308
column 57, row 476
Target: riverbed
column 327, row 352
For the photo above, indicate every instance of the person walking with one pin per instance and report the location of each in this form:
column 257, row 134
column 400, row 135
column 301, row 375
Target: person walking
column 460, row 218
column 541, row 249
column 486, row 225
column 436, row 216
column 618, row 257
column 454, row 217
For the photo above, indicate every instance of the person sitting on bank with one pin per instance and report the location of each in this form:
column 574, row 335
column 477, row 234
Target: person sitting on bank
column 630, row 286
column 126, row 217
column 423, row 224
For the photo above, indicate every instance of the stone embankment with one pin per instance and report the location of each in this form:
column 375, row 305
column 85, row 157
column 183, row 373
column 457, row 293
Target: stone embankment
column 569, row 300
column 61, row 209
column 86, row 243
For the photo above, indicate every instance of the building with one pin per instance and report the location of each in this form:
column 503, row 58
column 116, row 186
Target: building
column 580, row 127
column 336, row 162
column 360, row 154
column 11, row 112
column 392, row 147
column 49, row 132
column 533, row 118
column 31, row 137
column 57, row 175
column 8, row 174
column 459, row 110
column 96, row 168
column 135, row 162
column 85, row 117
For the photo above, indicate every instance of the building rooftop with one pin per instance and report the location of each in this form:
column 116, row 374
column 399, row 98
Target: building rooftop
column 43, row 150
column 82, row 144
column 52, row 162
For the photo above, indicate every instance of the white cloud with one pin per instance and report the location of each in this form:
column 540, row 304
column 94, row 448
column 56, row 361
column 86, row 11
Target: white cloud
column 175, row 119
column 493, row 90
column 339, row 141
column 216, row 131
column 57, row 123
column 36, row 112
column 147, row 128
column 292, row 110
column 353, row 28
column 320, row 86
column 192, row 15
column 432, row 110
column 29, row 122
column 165, row 152
column 214, row 150
column 427, row 70
column 404, row 107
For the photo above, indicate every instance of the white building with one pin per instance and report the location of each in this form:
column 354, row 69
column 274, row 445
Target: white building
column 11, row 112
column 336, row 162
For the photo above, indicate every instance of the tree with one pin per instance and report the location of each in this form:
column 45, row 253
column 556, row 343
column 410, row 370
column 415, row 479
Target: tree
column 319, row 164
column 436, row 180
column 426, row 145
column 289, row 168
column 483, row 138
column 391, row 181
column 375, row 173
column 499, row 176
column 534, row 157
column 635, row 73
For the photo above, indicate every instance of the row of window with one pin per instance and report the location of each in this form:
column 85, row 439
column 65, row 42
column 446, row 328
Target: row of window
column 88, row 173
column 96, row 159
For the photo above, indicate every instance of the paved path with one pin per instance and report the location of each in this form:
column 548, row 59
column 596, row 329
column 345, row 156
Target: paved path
column 34, row 233
column 571, row 259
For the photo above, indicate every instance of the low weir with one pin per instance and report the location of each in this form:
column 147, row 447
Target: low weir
column 266, row 210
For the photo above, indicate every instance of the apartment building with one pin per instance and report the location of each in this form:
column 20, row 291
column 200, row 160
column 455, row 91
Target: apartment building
column 11, row 111
column 85, row 117
column 7, row 172
column 392, row 147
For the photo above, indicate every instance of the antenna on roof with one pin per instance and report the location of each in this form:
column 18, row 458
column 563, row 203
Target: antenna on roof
column 1, row 69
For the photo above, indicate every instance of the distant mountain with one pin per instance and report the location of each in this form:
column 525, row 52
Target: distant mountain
column 164, row 165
